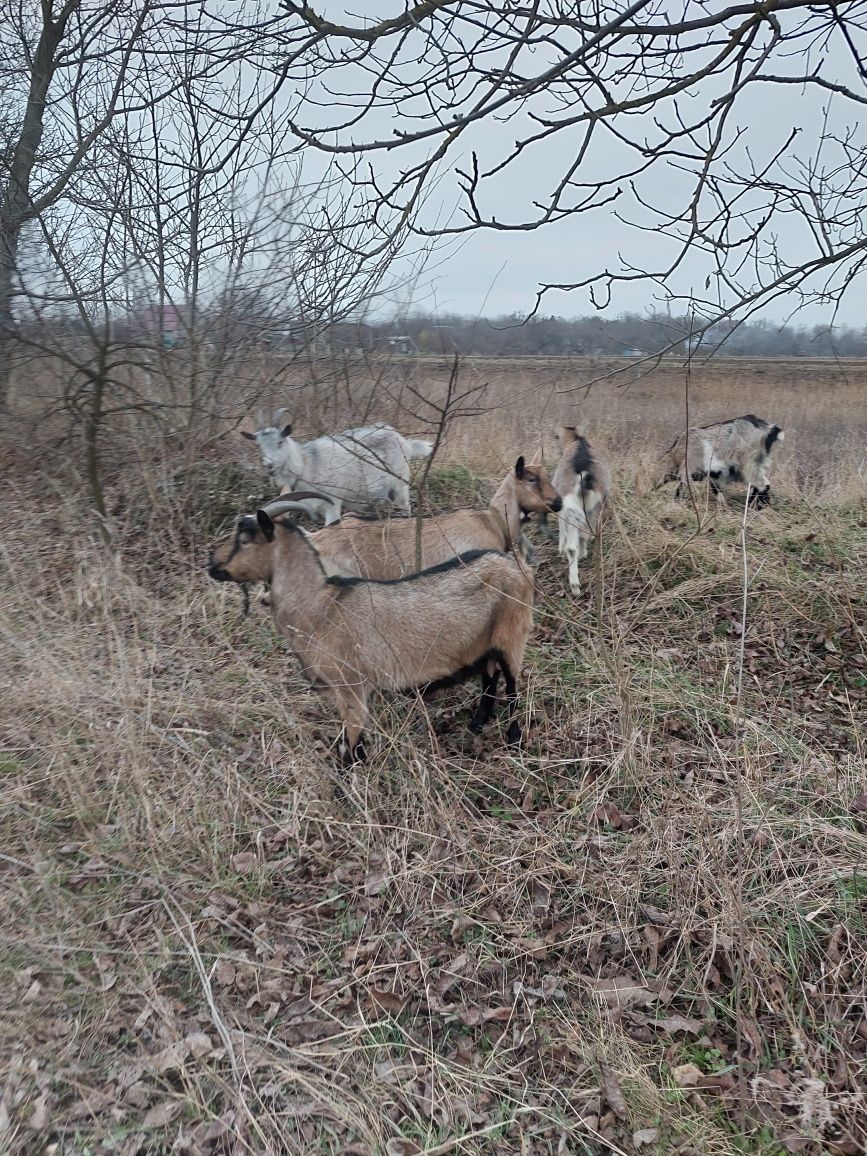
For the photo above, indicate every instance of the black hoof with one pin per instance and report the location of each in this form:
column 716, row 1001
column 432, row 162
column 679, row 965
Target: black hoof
column 513, row 735
column 349, row 758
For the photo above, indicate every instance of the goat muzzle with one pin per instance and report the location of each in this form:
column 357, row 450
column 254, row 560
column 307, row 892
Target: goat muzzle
column 218, row 573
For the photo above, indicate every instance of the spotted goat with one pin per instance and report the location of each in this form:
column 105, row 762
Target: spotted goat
column 584, row 485
column 724, row 453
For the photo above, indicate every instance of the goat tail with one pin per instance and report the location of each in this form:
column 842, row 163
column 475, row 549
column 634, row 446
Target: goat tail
column 417, row 449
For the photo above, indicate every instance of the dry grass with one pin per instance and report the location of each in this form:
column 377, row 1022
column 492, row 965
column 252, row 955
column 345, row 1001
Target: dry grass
column 214, row 942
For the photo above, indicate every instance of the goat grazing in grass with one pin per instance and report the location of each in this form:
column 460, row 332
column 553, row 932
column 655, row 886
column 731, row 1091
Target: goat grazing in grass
column 583, row 483
column 362, row 469
column 364, row 548
column 737, row 450
column 470, row 615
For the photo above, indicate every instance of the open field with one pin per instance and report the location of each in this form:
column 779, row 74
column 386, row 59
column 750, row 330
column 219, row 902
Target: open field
column 645, row 933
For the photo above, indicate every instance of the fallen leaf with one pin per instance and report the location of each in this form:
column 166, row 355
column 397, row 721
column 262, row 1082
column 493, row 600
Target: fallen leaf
column 206, row 1134
column 611, row 1090
column 94, row 1103
column 387, row 1001
column 376, row 882
column 678, row 1024
column 858, row 805
column 608, row 813
column 137, row 1096
column 401, row 1147
column 39, row 1115
column 686, row 1075
column 644, row 1136
column 161, row 1114
column 621, row 991
column 244, row 862
column 724, row 1082
column 199, row 1043
column 224, row 972
column 170, row 1058
column 460, row 925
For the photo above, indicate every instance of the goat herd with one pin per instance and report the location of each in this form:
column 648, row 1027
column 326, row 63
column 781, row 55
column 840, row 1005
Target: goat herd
column 393, row 602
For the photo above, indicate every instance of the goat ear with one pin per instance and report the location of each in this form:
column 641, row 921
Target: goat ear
column 265, row 524
column 286, row 430
column 246, row 434
column 519, row 467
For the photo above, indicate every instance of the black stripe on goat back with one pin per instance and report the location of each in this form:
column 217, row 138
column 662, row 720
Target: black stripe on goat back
column 582, row 458
column 353, row 516
column 771, row 437
column 440, row 568
column 758, row 422
column 466, row 672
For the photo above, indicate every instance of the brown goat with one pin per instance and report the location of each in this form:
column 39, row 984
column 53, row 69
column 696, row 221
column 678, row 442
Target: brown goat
column 367, row 548
column 470, row 615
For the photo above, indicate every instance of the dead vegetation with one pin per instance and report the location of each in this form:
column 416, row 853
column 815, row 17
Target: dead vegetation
column 647, row 933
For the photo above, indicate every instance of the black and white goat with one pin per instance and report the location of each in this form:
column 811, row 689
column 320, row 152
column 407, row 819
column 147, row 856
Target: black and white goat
column 362, row 469
column 584, row 484
column 724, row 453
column 471, row 615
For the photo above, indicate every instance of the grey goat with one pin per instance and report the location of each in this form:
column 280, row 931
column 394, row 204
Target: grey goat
column 363, row 469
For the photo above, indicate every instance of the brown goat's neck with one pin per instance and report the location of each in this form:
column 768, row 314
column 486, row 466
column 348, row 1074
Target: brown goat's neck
column 299, row 592
column 505, row 503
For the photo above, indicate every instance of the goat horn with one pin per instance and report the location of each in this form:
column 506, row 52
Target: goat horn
column 291, row 501
column 260, row 419
column 279, row 413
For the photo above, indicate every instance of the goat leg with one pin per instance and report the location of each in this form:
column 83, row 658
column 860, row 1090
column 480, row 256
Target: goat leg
column 513, row 734
column 488, row 700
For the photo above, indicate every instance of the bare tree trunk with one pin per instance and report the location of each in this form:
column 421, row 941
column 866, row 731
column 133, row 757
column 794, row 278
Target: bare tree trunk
column 15, row 199
column 92, row 425
column 8, row 258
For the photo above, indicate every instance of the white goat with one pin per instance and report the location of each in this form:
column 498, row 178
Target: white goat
column 362, row 469
column 470, row 615
column 582, row 481
column 737, row 450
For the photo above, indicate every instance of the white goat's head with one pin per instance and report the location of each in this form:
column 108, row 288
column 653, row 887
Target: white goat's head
column 270, row 439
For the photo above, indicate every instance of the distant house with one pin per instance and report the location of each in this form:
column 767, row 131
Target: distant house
column 163, row 321
column 631, row 352
column 402, row 343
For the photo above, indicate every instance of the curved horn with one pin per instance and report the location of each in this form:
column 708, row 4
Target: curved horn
column 260, row 419
column 291, row 501
column 279, row 413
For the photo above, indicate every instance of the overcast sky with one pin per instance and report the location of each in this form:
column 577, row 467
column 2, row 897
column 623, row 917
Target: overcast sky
column 498, row 272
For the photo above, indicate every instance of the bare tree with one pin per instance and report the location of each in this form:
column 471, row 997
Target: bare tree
column 178, row 215
column 657, row 114
column 69, row 70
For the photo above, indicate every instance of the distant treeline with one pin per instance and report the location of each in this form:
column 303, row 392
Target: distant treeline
column 629, row 334
column 238, row 327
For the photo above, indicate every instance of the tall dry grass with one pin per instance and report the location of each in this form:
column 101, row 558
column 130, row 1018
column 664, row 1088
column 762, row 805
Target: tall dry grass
column 214, row 941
